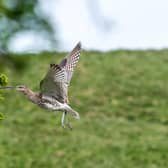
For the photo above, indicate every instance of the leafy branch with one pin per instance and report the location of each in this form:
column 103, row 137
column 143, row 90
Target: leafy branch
column 3, row 82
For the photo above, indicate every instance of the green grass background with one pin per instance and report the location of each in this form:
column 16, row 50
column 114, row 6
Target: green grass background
column 122, row 98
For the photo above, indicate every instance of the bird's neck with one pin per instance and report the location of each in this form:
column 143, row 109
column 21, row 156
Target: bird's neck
column 32, row 96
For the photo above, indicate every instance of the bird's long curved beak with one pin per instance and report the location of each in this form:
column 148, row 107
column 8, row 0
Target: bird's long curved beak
column 8, row 87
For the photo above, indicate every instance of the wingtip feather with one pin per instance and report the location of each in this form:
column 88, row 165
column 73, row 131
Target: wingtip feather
column 79, row 44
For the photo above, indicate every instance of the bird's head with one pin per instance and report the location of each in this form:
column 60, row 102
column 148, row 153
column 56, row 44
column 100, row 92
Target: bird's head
column 21, row 88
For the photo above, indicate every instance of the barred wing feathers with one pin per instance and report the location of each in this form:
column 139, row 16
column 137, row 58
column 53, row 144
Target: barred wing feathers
column 55, row 84
column 69, row 62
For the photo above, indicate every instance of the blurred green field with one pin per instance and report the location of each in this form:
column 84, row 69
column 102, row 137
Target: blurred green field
column 122, row 97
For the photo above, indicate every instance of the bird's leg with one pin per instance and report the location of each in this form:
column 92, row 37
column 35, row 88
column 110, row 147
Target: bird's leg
column 67, row 123
column 64, row 114
column 63, row 118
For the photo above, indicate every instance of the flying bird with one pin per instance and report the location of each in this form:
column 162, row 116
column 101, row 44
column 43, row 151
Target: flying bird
column 53, row 93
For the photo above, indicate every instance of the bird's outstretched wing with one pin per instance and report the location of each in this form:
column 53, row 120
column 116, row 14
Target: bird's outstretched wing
column 55, row 83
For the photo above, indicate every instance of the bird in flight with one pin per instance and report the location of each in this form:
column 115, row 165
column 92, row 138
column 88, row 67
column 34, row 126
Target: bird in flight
column 54, row 87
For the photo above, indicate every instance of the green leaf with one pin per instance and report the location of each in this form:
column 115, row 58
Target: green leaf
column 3, row 80
column 1, row 116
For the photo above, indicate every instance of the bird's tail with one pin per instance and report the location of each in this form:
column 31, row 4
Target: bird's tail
column 74, row 113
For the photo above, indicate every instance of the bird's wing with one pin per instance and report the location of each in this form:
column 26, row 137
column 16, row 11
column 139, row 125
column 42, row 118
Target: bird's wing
column 70, row 61
column 55, row 83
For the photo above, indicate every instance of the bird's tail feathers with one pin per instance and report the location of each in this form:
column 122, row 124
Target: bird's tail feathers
column 74, row 113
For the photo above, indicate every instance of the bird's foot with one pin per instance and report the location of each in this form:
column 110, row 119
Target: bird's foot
column 63, row 126
column 67, row 125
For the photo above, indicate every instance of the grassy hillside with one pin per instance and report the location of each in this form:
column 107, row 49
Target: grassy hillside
column 122, row 97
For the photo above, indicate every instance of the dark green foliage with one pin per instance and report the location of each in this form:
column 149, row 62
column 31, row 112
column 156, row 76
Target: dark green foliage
column 3, row 80
column 122, row 97
column 1, row 116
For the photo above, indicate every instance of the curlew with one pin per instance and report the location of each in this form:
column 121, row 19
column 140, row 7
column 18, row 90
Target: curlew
column 53, row 93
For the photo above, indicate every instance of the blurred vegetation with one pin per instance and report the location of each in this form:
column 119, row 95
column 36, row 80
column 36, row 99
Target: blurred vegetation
column 122, row 99
column 3, row 82
column 20, row 15
column 1, row 116
column 17, row 16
